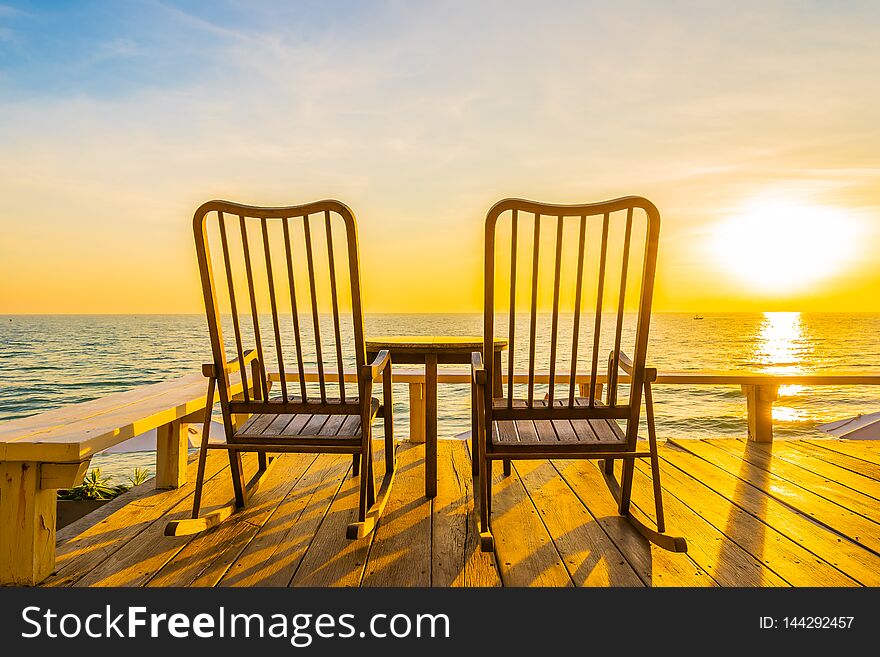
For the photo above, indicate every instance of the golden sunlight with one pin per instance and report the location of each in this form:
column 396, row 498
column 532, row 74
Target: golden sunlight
column 781, row 247
column 779, row 348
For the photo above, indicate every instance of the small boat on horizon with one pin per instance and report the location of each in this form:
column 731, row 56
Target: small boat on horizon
column 698, row 317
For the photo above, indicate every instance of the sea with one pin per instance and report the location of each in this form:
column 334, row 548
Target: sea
column 48, row 361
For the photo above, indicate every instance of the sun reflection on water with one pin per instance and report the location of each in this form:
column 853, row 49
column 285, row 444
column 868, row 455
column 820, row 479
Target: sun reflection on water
column 779, row 350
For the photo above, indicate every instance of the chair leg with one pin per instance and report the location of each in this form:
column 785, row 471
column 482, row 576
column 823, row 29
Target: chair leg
column 489, row 477
column 362, row 500
column 388, row 418
column 475, row 449
column 655, row 460
column 506, row 467
column 626, row 481
column 371, row 502
column 237, row 471
column 203, row 450
column 609, row 466
column 484, row 480
column 371, row 480
column 355, row 465
column 262, row 461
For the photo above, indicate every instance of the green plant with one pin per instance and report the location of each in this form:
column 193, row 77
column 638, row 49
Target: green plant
column 93, row 487
column 140, row 476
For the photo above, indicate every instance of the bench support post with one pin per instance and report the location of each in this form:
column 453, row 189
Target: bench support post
column 759, row 401
column 172, row 450
column 27, row 518
column 417, row 412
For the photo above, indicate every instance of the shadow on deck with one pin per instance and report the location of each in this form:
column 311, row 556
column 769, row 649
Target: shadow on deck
column 794, row 513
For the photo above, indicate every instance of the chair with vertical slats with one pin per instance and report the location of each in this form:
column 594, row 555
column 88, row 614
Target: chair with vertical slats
column 263, row 304
column 594, row 244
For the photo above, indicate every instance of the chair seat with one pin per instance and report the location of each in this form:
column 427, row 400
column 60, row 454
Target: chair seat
column 598, row 434
column 304, row 428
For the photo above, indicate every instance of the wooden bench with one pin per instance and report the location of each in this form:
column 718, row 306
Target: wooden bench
column 52, row 450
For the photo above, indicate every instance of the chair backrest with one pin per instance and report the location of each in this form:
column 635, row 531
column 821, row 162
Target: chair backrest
column 591, row 255
column 281, row 270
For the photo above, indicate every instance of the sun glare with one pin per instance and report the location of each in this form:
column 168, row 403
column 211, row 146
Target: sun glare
column 780, row 247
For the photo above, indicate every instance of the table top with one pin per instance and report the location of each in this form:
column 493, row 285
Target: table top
column 431, row 342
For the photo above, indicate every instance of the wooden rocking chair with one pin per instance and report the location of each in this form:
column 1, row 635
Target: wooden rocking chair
column 297, row 420
column 575, row 425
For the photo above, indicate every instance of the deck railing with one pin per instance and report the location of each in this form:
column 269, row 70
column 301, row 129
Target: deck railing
column 761, row 389
column 42, row 453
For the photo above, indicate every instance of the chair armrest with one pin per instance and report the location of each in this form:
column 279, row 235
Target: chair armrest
column 625, row 363
column 478, row 372
column 374, row 369
column 209, row 370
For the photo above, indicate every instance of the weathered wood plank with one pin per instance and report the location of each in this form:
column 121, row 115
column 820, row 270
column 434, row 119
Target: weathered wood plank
column 523, row 547
column 26, row 427
column 206, row 558
column 590, row 557
column 401, row 551
column 831, row 472
column 121, row 522
column 455, row 547
column 846, row 461
column 848, row 524
column 784, row 557
column 764, row 456
column 273, row 555
column 723, row 559
column 857, row 449
column 655, row 566
column 826, row 545
column 137, row 561
column 332, row 559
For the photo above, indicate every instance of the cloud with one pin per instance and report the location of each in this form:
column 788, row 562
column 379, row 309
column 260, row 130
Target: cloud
column 423, row 115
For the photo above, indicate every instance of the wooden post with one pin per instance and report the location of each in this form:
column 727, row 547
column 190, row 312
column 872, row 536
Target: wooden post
column 584, row 390
column 172, row 450
column 417, row 412
column 759, row 400
column 27, row 520
column 431, row 424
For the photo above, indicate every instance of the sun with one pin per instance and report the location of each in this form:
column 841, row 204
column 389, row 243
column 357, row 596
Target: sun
column 779, row 247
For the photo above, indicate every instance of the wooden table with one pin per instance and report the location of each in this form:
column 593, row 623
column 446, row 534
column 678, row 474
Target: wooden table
column 431, row 350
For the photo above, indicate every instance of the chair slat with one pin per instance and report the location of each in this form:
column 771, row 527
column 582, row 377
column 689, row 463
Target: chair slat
column 316, row 324
column 575, row 333
column 285, row 226
column 615, row 371
column 329, row 229
column 536, row 245
column 239, row 347
column 253, row 299
column 512, row 319
column 274, row 306
column 598, row 325
column 554, row 322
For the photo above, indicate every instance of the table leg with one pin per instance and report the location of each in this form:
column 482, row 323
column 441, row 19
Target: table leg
column 430, row 425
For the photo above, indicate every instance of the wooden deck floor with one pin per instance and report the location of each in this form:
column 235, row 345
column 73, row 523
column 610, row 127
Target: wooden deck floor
column 801, row 513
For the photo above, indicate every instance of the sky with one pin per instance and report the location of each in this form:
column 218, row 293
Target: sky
column 753, row 126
